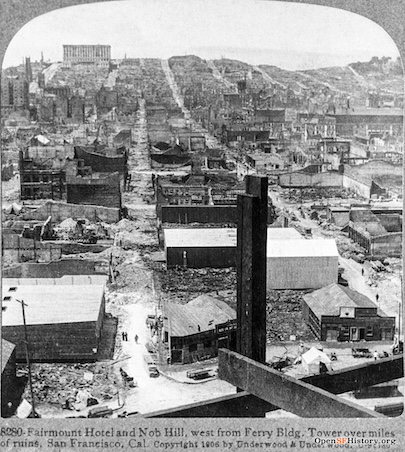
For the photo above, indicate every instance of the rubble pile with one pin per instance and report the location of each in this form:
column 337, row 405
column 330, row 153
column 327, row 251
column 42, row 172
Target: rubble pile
column 184, row 284
column 60, row 384
column 284, row 316
column 130, row 235
column 379, row 271
column 347, row 248
column 130, row 273
column 11, row 190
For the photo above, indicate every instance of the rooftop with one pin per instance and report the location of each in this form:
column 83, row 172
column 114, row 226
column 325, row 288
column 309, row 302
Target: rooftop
column 374, row 229
column 47, row 304
column 370, row 112
column 265, row 157
column 200, row 237
column 283, row 234
column 302, row 248
column 363, row 216
column 198, row 315
column 329, row 300
column 66, row 280
column 223, row 237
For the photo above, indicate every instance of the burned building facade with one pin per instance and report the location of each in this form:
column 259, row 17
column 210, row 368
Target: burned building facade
column 40, row 175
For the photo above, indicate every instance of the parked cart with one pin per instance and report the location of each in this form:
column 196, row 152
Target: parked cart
column 361, row 353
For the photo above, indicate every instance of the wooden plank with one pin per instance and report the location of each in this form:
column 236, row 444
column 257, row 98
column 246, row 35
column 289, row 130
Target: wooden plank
column 283, row 391
column 244, row 404
column 359, row 376
column 241, row 404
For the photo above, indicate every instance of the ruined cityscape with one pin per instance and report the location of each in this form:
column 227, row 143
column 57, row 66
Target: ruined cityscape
column 138, row 194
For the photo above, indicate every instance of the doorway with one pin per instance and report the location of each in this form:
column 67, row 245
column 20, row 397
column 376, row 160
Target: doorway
column 354, row 333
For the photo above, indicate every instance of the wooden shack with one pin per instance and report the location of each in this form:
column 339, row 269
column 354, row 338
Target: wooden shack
column 190, row 329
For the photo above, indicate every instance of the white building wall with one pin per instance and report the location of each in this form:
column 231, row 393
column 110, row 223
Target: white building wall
column 358, row 187
column 301, row 272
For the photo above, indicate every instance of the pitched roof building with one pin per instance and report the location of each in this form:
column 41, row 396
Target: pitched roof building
column 337, row 313
column 190, row 329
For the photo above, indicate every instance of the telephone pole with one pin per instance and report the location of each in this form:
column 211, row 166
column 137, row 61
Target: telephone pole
column 27, row 357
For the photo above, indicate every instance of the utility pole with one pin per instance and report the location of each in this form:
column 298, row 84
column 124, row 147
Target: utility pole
column 27, row 357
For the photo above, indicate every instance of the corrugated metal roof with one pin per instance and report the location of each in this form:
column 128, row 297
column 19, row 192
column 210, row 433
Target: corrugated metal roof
column 51, row 304
column 200, row 314
column 302, row 248
column 329, row 300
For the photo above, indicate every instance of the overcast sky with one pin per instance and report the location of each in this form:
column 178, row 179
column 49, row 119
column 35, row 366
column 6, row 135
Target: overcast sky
column 291, row 36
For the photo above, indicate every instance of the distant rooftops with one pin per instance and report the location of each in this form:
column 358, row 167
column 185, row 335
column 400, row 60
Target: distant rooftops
column 369, row 112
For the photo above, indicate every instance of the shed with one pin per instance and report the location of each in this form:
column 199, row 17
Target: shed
column 190, row 329
column 311, row 360
column 63, row 321
column 301, row 264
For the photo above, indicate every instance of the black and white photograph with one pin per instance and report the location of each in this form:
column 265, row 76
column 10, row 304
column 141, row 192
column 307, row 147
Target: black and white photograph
column 202, row 225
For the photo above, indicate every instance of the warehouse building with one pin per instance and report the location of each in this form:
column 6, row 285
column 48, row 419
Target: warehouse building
column 379, row 235
column 200, row 247
column 211, row 247
column 337, row 313
column 191, row 330
column 64, row 317
column 301, row 264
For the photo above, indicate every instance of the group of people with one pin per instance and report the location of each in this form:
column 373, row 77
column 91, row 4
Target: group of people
column 124, row 335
